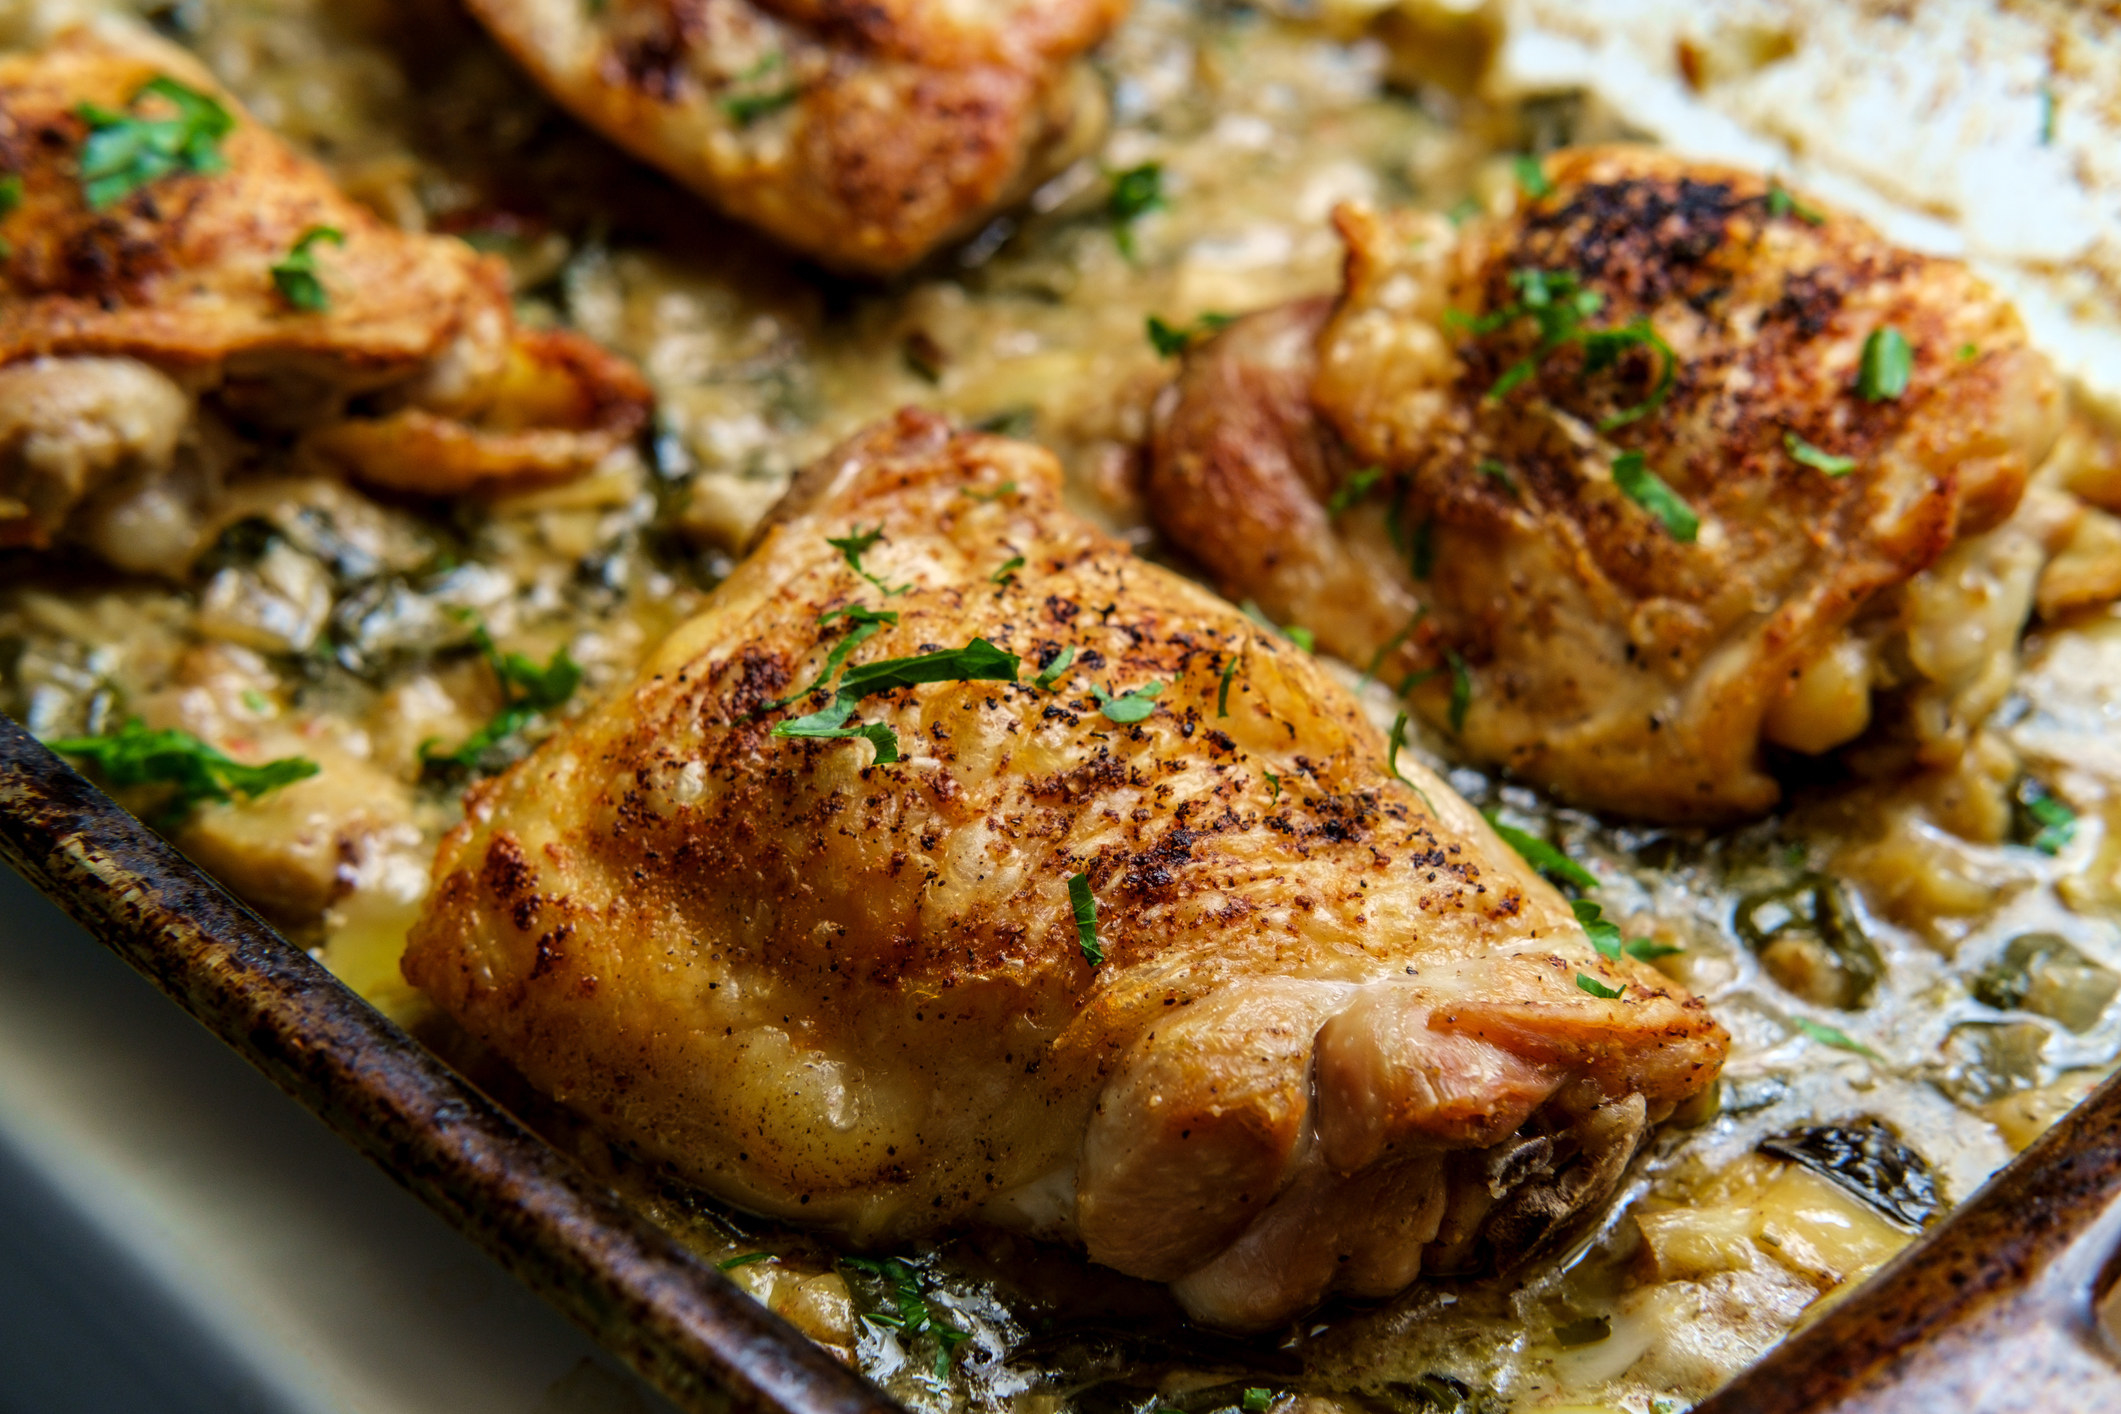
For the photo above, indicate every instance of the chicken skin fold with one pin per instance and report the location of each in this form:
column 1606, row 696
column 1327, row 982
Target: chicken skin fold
column 1114, row 924
column 863, row 134
column 178, row 278
column 1616, row 485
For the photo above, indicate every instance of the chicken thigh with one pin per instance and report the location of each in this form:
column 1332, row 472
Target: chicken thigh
column 175, row 271
column 956, row 865
column 863, row 134
column 1610, row 484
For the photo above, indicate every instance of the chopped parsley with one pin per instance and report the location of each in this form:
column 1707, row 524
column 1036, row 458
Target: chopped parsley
column 1542, row 856
column 126, row 151
column 1602, row 931
column 977, row 661
column 1649, row 949
column 1780, row 203
column 1832, row 1036
column 1084, row 906
column 1392, row 750
column 1495, row 471
column 857, row 543
column 1648, row 490
column 1256, row 1401
column 1128, row 707
column 866, row 624
column 1422, row 557
column 1170, row 340
column 1558, row 304
column 136, row 756
column 906, row 1311
column 1815, row 457
column 526, row 690
column 1135, row 192
column 1888, row 362
column 1007, row 572
column 1461, row 689
column 1007, row 488
column 753, row 101
column 1598, row 989
column 1463, row 210
column 1969, row 352
column 730, row 1264
column 1273, row 786
column 1222, row 692
column 1531, row 176
column 2042, row 822
column 10, row 194
column 296, row 276
column 1352, row 490
column 1051, row 673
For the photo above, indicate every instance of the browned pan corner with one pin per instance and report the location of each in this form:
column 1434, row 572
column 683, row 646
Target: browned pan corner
column 632, row 1286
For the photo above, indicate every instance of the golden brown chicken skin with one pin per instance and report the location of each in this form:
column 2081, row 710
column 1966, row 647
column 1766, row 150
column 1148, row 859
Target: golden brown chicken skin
column 1328, row 1032
column 135, row 309
column 863, row 134
column 1614, row 490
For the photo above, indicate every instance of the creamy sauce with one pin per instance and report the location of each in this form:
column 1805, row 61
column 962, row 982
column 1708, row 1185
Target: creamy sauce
column 352, row 646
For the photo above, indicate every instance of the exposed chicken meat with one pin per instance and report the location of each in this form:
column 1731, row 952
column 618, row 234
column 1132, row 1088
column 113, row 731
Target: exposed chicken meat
column 863, row 134
column 1620, row 488
column 400, row 361
column 1328, row 1032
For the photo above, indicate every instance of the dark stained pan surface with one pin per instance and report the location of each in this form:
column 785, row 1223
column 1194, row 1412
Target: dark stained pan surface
column 683, row 1325
column 1993, row 1312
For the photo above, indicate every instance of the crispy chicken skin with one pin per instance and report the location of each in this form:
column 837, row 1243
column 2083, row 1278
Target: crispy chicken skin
column 1603, row 656
column 863, row 134
column 1337, row 1036
column 166, row 297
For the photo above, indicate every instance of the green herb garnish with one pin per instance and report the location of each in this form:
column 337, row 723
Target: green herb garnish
column 1084, row 906
column 866, row 624
column 10, row 198
column 296, row 276
column 1352, row 490
column 857, row 543
column 1461, row 689
column 1832, row 1036
column 1648, row 490
column 1422, row 557
column 1135, row 192
column 1557, row 303
column 1128, row 707
column 2044, row 823
column 126, row 151
column 1273, row 786
column 136, row 756
column 1602, row 931
column 1463, row 210
column 1007, row 488
column 526, row 690
column 2047, row 116
column 1888, row 362
column 977, row 661
column 1497, row 472
column 730, row 1264
column 1296, row 633
column 1542, row 856
column 1051, row 673
column 1391, row 646
column 1008, row 570
column 1531, row 176
column 1649, row 949
column 1222, row 692
column 746, row 108
column 1811, row 456
column 908, row 1312
column 1780, row 203
column 1597, row 988
column 1256, row 1401
column 1169, row 340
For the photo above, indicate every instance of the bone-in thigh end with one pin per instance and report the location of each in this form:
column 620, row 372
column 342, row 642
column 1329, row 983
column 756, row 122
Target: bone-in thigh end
column 1290, row 1140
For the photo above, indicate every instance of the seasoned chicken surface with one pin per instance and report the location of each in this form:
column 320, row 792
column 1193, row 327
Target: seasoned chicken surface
column 1326, row 1032
column 863, row 134
column 1607, row 482
column 144, row 320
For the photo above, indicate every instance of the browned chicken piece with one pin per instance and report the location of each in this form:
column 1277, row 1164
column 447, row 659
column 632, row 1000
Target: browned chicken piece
column 142, row 313
column 864, row 134
column 1606, row 482
column 1326, row 1032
